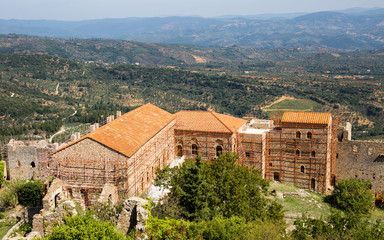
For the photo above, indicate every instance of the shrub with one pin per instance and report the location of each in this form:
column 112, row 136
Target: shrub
column 2, row 165
column 30, row 193
column 352, row 195
column 84, row 227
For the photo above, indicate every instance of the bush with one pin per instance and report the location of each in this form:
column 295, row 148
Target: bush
column 84, row 227
column 352, row 195
column 338, row 225
column 30, row 193
column 220, row 228
column 8, row 197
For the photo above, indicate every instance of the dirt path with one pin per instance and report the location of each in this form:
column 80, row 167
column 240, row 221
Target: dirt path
column 57, row 89
column 62, row 129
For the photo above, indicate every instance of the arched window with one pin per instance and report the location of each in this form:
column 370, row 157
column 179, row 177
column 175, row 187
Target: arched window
column 18, row 163
column 313, row 154
column 195, row 149
column 302, row 169
column 298, row 134
column 33, row 164
column 297, row 152
column 309, row 135
column 219, row 150
column 179, row 151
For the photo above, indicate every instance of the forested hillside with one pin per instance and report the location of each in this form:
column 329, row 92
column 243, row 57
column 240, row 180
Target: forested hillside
column 38, row 91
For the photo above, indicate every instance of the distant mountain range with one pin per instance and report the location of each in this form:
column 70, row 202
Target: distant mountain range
column 346, row 30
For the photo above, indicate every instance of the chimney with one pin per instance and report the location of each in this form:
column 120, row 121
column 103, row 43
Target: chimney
column 118, row 114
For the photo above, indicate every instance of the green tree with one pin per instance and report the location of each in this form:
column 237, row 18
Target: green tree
column 203, row 190
column 353, row 195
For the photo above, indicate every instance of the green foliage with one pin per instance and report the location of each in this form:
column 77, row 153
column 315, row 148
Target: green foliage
column 2, row 166
column 8, row 197
column 84, row 227
column 353, row 196
column 107, row 211
column 167, row 228
column 202, row 190
column 23, row 230
column 5, row 226
column 220, row 228
column 30, row 193
column 338, row 226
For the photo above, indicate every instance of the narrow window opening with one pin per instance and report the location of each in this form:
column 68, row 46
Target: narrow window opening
column 309, row 135
column 297, row 152
column 195, row 149
column 298, row 134
column 302, row 169
column 219, row 150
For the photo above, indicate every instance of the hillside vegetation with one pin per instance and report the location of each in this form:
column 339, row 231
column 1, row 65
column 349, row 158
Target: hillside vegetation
column 38, row 91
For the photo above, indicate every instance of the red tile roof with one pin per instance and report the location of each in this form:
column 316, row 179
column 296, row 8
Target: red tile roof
column 207, row 122
column 306, row 117
column 132, row 130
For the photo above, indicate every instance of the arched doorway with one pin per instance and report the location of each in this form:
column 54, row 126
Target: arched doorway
column 333, row 180
column 276, row 176
column 313, row 184
column 179, row 151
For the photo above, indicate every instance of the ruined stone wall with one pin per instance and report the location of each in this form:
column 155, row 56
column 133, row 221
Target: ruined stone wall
column 362, row 160
column 156, row 153
column 23, row 160
column 206, row 143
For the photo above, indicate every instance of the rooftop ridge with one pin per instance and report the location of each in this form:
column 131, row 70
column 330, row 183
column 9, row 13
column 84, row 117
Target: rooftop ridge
column 213, row 113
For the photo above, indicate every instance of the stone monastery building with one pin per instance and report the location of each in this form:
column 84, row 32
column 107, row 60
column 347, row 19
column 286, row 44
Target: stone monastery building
column 121, row 157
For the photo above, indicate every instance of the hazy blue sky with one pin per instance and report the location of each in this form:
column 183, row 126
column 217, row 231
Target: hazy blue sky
column 97, row 9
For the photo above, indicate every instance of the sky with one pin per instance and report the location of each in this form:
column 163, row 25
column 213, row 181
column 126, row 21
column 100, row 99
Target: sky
column 100, row 9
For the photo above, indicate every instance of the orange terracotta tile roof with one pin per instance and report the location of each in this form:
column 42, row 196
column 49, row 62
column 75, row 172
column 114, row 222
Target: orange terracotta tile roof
column 132, row 130
column 207, row 122
column 306, row 117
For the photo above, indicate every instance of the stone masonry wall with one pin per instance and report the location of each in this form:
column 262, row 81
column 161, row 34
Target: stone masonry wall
column 362, row 160
column 23, row 158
